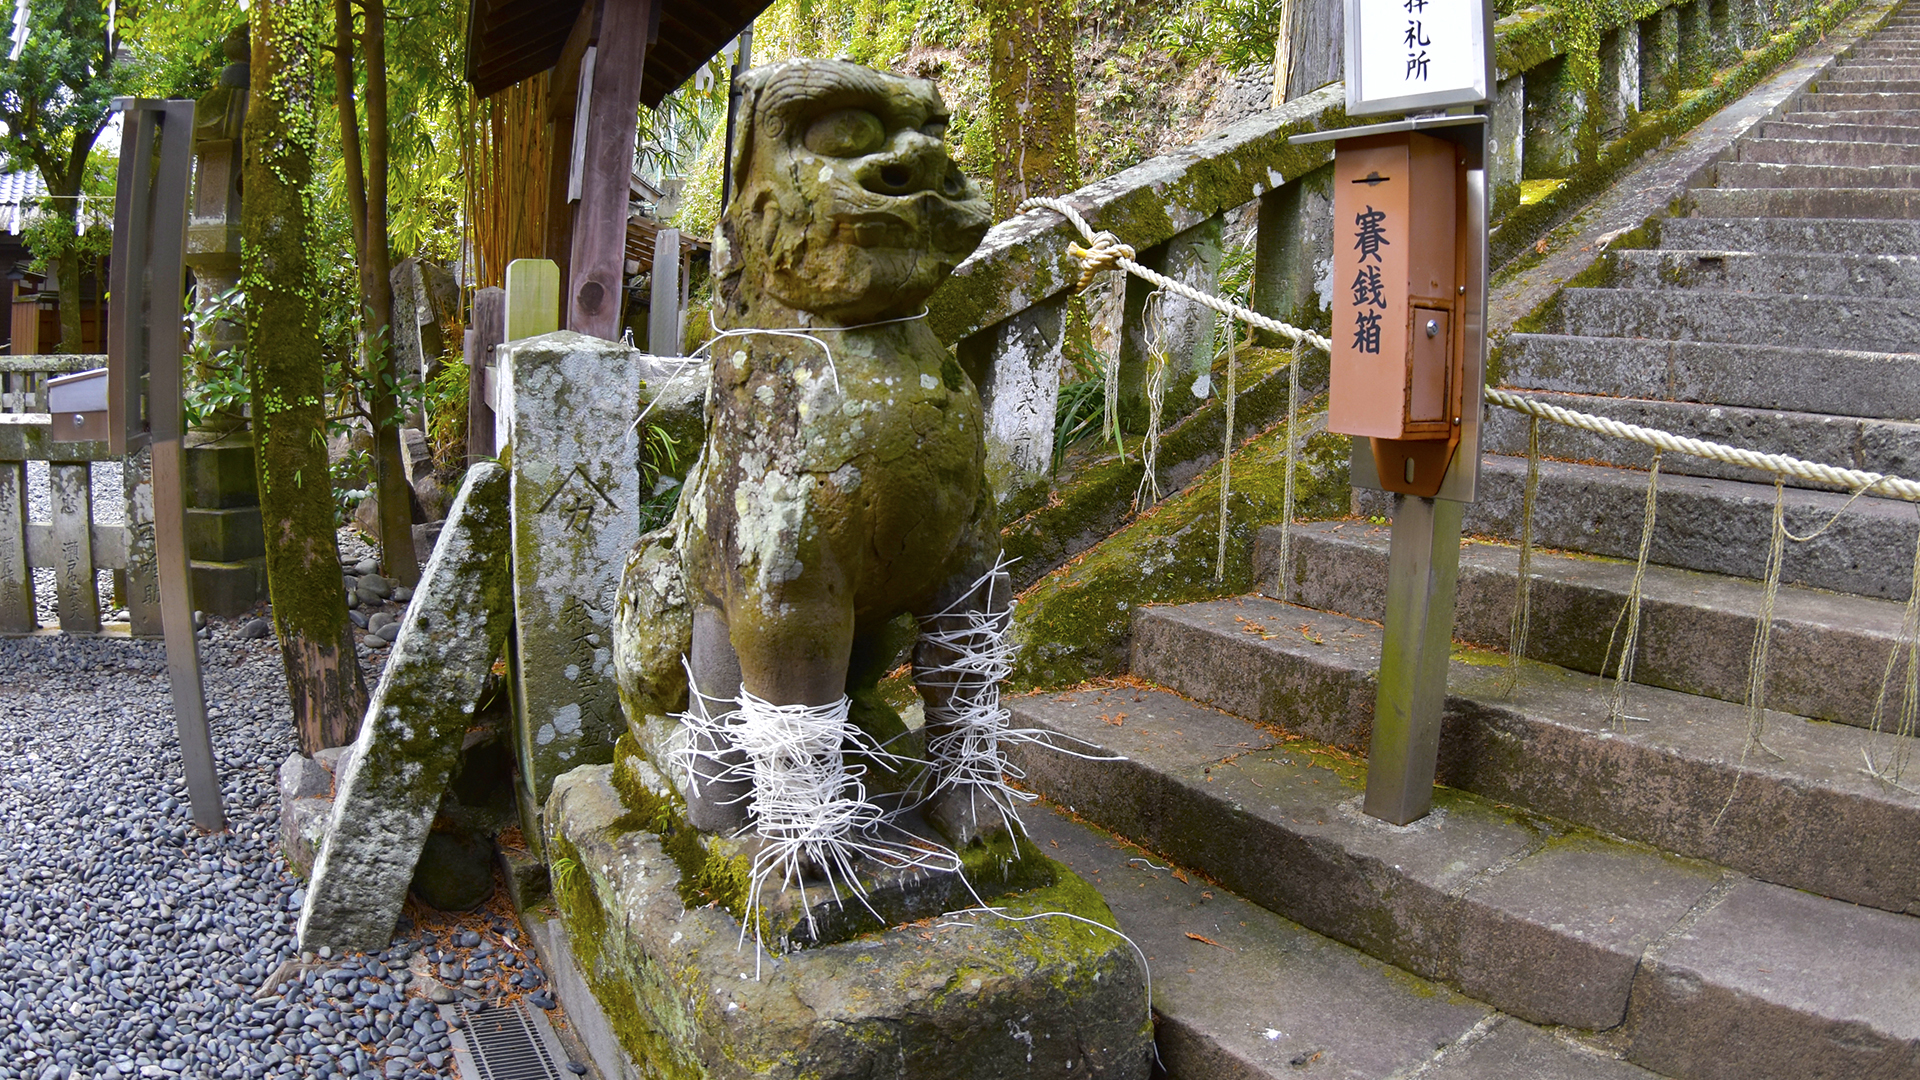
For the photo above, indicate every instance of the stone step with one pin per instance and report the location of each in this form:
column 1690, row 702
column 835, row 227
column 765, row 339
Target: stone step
column 1882, row 446
column 1891, row 118
column 1836, row 381
column 1744, row 318
column 1807, row 273
column 1717, row 526
column 1795, row 152
column 1833, row 101
column 1756, row 174
column 1853, row 236
column 1827, row 650
column 1240, row 993
column 1808, row 202
column 1681, row 776
column 1550, row 924
column 1781, row 129
column 1879, row 73
column 1840, row 85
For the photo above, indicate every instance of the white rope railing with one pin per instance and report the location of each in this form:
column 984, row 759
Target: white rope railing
column 1104, row 251
column 1871, row 483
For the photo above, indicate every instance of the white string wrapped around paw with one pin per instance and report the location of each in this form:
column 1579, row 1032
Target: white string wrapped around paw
column 968, row 729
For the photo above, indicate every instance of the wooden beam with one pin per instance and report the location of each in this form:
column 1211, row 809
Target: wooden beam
column 563, row 94
column 489, row 329
column 595, row 278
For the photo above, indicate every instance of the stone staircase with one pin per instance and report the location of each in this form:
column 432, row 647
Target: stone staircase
column 1657, row 897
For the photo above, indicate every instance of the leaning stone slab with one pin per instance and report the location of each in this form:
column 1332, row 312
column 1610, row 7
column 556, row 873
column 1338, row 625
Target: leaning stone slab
column 569, row 402
column 389, row 790
column 973, row 996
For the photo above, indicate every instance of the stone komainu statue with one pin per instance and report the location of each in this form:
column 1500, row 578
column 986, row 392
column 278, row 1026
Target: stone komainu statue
column 841, row 484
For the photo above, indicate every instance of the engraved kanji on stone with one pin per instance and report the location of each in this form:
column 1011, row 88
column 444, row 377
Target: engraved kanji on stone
column 579, row 497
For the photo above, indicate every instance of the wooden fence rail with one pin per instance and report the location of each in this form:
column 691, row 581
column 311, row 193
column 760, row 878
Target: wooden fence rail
column 72, row 544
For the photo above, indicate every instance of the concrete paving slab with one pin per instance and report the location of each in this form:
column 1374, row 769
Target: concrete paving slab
column 1752, row 174
column 1240, row 993
column 1793, row 234
column 1719, row 526
column 1696, row 629
column 1373, row 886
column 1569, row 925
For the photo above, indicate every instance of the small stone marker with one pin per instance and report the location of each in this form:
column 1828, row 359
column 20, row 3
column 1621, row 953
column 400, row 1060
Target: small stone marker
column 569, row 402
column 390, row 788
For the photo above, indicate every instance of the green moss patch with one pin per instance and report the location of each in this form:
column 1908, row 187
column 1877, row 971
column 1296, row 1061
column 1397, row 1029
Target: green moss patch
column 1075, row 624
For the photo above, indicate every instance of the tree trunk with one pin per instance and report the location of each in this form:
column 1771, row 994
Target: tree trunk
column 367, row 206
column 1031, row 101
column 376, row 287
column 68, row 280
column 285, row 366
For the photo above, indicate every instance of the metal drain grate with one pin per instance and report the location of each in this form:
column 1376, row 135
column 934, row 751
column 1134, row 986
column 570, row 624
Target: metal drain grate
column 506, row 1045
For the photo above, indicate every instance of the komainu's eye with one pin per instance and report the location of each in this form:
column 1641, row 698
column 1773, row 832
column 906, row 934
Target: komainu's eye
column 846, row 133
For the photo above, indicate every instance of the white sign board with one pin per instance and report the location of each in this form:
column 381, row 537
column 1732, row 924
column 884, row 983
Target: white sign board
column 1408, row 55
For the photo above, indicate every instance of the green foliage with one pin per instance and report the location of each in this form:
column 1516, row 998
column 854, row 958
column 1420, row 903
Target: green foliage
column 445, row 398
column 659, row 460
column 1076, row 414
column 54, row 98
column 350, row 487
column 217, row 377
column 86, row 235
column 176, row 46
column 1236, row 33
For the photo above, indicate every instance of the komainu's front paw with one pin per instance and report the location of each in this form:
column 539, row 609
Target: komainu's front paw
column 965, row 816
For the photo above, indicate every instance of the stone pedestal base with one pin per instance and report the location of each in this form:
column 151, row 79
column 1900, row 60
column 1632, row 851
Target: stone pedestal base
column 967, row 996
column 224, row 536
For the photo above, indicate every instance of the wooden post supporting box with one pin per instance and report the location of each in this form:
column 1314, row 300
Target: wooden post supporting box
column 78, row 403
column 1399, row 340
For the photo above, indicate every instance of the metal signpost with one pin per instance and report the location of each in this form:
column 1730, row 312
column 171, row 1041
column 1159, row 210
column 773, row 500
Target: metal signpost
column 1409, row 342
column 144, row 331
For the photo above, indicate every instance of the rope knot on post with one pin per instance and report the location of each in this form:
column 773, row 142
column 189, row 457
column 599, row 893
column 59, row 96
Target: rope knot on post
column 1103, row 252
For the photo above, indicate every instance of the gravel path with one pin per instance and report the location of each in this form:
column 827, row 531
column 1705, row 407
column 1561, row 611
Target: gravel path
column 130, row 945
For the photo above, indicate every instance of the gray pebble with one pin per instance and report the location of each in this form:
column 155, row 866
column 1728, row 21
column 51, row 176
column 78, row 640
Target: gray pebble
column 359, row 618
column 185, row 964
column 256, row 629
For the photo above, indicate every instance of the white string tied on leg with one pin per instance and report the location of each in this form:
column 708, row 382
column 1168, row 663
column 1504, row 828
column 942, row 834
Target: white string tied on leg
column 707, row 735
column 972, row 730
column 810, row 809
